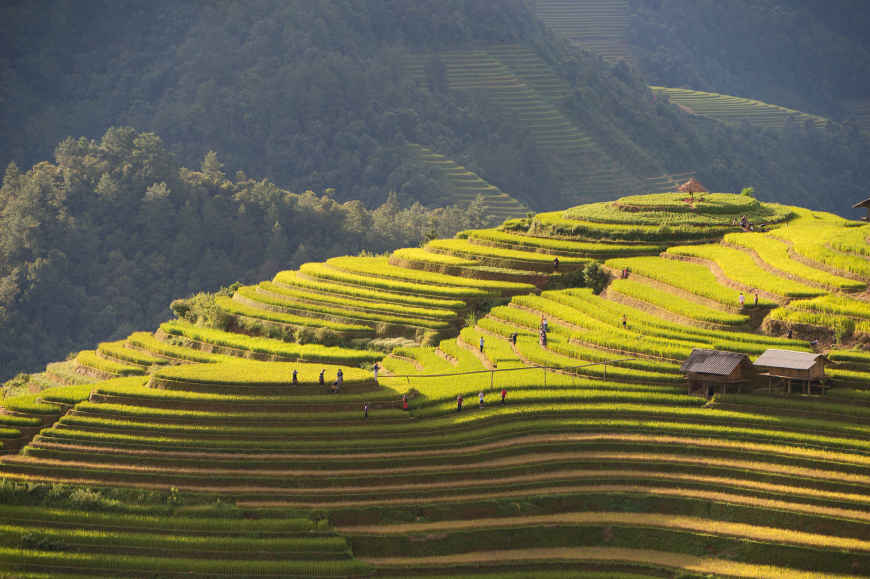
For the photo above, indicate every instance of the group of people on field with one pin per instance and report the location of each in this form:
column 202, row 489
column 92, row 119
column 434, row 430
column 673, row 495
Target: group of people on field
column 368, row 406
column 460, row 400
column 339, row 378
column 747, row 225
column 742, row 300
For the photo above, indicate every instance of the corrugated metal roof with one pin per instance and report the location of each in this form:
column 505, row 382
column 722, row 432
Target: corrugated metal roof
column 788, row 359
column 712, row 362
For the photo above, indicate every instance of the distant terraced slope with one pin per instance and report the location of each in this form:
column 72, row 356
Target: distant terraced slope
column 731, row 110
column 530, row 69
column 668, row 182
column 597, row 25
column 482, row 71
column 468, row 185
column 596, row 177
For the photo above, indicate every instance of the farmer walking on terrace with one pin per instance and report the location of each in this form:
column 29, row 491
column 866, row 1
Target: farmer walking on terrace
column 624, row 322
column 367, row 410
column 556, row 264
column 459, row 403
column 481, row 344
column 503, row 395
column 375, row 370
column 756, row 300
column 480, row 400
column 514, row 338
column 404, row 402
column 295, row 381
column 741, row 299
column 322, row 381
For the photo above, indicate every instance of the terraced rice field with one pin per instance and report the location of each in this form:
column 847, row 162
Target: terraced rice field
column 520, row 82
column 596, row 25
column 732, row 110
column 467, row 185
column 211, row 462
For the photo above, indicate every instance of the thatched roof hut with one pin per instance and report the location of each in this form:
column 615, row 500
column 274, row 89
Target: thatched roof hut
column 865, row 203
column 692, row 186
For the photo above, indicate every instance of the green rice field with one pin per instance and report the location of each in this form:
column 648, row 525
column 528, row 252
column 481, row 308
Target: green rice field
column 189, row 451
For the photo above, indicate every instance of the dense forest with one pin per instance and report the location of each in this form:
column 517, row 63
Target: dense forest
column 306, row 106
column 98, row 244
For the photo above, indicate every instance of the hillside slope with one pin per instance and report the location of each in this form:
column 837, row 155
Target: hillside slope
column 323, row 95
column 225, row 444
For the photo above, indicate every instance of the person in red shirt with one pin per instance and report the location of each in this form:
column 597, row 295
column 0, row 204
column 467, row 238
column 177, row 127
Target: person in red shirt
column 404, row 403
column 459, row 403
column 503, row 395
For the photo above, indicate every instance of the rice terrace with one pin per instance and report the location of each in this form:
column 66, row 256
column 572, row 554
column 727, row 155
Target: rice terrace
column 435, row 289
column 224, row 444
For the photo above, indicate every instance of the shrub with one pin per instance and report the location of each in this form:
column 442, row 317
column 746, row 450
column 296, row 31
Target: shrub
column 594, row 277
column 305, row 336
column 328, row 338
column 201, row 310
column 86, row 499
column 387, row 345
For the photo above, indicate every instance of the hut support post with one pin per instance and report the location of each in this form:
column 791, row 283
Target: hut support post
column 789, row 385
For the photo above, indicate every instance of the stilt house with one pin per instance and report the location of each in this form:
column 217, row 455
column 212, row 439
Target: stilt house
column 805, row 368
column 707, row 368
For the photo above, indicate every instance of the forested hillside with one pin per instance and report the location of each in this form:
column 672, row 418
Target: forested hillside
column 99, row 243
column 314, row 95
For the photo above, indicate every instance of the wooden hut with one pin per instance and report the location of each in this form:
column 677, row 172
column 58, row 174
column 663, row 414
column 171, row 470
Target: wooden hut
column 805, row 368
column 692, row 186
column 706, row 368
column 865, row 203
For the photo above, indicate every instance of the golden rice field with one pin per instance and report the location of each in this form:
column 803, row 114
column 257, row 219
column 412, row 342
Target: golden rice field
column 264, row 445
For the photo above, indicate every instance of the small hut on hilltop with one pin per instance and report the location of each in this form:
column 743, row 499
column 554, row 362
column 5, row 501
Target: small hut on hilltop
column 692, row 186
column 865, row 203
column 804, row 367
column 706, row 368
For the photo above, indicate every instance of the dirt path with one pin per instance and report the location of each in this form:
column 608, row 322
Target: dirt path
column 725, row 280
column 474, row 349
column 688, row 296
column 778, row 272
column 667, row 315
